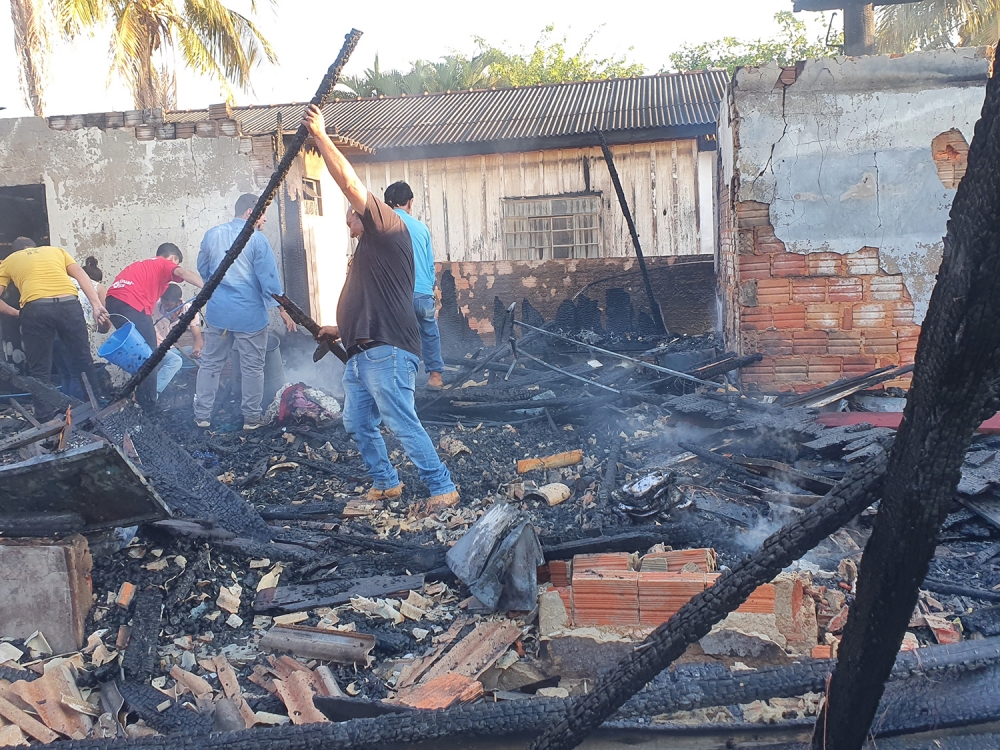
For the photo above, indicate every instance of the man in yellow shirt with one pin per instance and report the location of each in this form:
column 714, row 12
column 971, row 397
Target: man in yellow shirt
column 49, row 307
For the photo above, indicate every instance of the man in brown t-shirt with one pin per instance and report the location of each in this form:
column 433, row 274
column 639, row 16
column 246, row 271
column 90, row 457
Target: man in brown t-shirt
column 379, row 329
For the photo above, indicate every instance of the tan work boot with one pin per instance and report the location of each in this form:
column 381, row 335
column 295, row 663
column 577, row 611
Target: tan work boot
column 375, row 494
column 434, row 380
column 447, row 500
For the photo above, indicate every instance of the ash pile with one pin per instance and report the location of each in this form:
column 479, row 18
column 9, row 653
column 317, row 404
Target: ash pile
column 242, row 582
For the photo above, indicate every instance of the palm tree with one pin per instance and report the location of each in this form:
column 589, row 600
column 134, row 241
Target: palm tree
column 212, row 40
column 937, row 23
column 32, row 43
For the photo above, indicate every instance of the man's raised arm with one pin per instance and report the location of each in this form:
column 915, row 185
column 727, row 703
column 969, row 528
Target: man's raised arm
column 340, row 169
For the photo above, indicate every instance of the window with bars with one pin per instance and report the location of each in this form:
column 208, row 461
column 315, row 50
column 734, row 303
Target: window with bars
column 546, row 228
column 312, row 197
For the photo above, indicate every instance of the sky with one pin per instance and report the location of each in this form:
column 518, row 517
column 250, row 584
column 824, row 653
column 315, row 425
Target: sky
column 307, row 34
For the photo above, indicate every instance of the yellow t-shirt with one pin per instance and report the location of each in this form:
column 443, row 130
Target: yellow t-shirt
column 38, row 272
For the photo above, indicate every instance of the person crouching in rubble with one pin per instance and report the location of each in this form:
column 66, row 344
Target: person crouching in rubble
column 399, row 197
column 50, row 307
column 134, row 294
column 379, row 329
column 170, row 307
column 236, row 315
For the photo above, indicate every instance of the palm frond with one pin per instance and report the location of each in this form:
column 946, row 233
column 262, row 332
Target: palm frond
column 32, row 43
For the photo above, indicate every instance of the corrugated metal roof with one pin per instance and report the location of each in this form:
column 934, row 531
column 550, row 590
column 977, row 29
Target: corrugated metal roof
column 678, row 105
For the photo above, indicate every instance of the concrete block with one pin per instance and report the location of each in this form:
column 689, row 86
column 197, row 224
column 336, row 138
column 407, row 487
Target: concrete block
column 745, row 635
column 45, row 585
column 552, row 614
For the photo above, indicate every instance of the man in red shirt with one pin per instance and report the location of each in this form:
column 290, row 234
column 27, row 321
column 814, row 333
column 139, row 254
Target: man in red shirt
column 134, row 294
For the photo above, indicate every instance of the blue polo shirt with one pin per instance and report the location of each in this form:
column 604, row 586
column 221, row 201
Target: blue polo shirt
column 423, row 253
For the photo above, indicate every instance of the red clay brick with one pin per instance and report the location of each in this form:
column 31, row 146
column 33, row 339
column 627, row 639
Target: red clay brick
column 759, row 370
column 788, row 264
column 844, row 343
column 809, row 290
column 911, row 331
column 773, row 292
column 880, row 341
column 846, row 290
column 791, row 369
column 766, row 242
column 753, row 214
column 863, row 263
column 756, row 318
column 854, row 366
column 755, row 267
column 887, row 288
column 825, row 369
column 872, row 315
column 809, row 342
column 775, row 343
column 789, row 316
column 606, row 598
column 902, row 314
column 824, row 316
column 825, row 264
column 760, row 601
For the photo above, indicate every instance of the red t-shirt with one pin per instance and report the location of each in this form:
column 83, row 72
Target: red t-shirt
column 141, row 284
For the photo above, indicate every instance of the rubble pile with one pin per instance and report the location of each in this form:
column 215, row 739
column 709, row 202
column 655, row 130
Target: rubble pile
column 588, row 518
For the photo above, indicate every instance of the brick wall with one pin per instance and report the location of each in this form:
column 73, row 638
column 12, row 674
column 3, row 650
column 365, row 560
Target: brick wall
column 684, row 286
column 816, row 317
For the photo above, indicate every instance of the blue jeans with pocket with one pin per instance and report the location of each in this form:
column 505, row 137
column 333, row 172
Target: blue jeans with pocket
column 378, row 387
column 430, row 337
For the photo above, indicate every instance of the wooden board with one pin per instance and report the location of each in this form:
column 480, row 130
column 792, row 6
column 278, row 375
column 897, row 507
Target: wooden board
column 334, row 593
column 477, row 652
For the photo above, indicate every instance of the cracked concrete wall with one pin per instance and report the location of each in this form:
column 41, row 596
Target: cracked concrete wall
column 843, row 154
column 117, row 198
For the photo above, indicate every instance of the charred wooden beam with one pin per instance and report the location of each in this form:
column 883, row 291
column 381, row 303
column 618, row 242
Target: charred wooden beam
column 958, row 358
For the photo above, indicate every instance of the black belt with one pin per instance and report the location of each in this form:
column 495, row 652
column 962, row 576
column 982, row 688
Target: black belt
column 358, row 348
column 50, row 300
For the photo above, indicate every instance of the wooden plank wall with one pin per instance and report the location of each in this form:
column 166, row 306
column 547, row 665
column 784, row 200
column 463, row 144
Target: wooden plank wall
column 459, row 198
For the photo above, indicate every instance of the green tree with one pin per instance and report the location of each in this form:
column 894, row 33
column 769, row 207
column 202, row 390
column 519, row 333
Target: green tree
column 551, row 62
column 32, row 43
column 937, row 23
column 147, row 36
column 791, row 44
column 547, row 62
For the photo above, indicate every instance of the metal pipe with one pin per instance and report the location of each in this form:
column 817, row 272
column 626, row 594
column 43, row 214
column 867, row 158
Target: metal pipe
column 654, row 307
column 639, row 362
column 543, row 363
column 324, row 90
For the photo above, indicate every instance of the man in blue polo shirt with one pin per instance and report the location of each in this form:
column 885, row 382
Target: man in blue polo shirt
column 236, row 315
column 399, row 197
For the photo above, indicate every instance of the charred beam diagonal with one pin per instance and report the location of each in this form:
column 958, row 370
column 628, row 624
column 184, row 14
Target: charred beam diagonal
column 853, row 494
column 654, row 308
column 958, row 357
column 324, row 90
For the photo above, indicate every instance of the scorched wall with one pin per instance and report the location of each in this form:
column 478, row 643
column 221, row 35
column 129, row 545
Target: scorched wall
column 836, row 178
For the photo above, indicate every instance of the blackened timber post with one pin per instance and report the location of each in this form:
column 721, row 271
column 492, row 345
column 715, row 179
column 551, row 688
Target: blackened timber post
column 653, row 306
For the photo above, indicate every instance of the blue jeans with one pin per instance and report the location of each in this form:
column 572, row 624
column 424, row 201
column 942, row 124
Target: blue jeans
column 378, row 386
column 430, row 337
column 170, row 366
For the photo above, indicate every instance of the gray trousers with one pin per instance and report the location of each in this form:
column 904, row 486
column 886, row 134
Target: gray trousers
column 218, row 346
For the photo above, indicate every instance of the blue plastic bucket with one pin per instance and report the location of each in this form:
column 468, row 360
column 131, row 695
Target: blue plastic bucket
column 126, row 348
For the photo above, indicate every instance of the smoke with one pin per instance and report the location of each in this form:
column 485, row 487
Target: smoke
column 297, row 357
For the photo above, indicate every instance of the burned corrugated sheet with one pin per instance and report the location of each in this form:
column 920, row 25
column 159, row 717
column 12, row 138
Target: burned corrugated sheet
column 491, row 121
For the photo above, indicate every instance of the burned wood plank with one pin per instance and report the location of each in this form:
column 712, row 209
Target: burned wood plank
column 559, row 460
column 333, row 593
column 345, row 709
column 313, row 643
column 778, row 470
column 140, row 656
column 93, row 481
column 415, row 670
column 629, row 542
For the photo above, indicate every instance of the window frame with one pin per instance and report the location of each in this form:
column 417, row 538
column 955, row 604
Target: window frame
column 535, row 236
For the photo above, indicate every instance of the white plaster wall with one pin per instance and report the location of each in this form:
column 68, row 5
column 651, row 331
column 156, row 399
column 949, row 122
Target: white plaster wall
column 843, row 155
column 117, row 198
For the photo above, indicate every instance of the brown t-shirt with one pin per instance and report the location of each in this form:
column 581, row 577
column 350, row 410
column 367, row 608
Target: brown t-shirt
column 377, row 300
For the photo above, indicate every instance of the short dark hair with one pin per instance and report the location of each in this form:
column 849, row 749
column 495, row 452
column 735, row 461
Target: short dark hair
column 398, row 194
column 245, row 202
column 92, row 270
column 167, row 249
column 172, row 293
column 22, row 243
